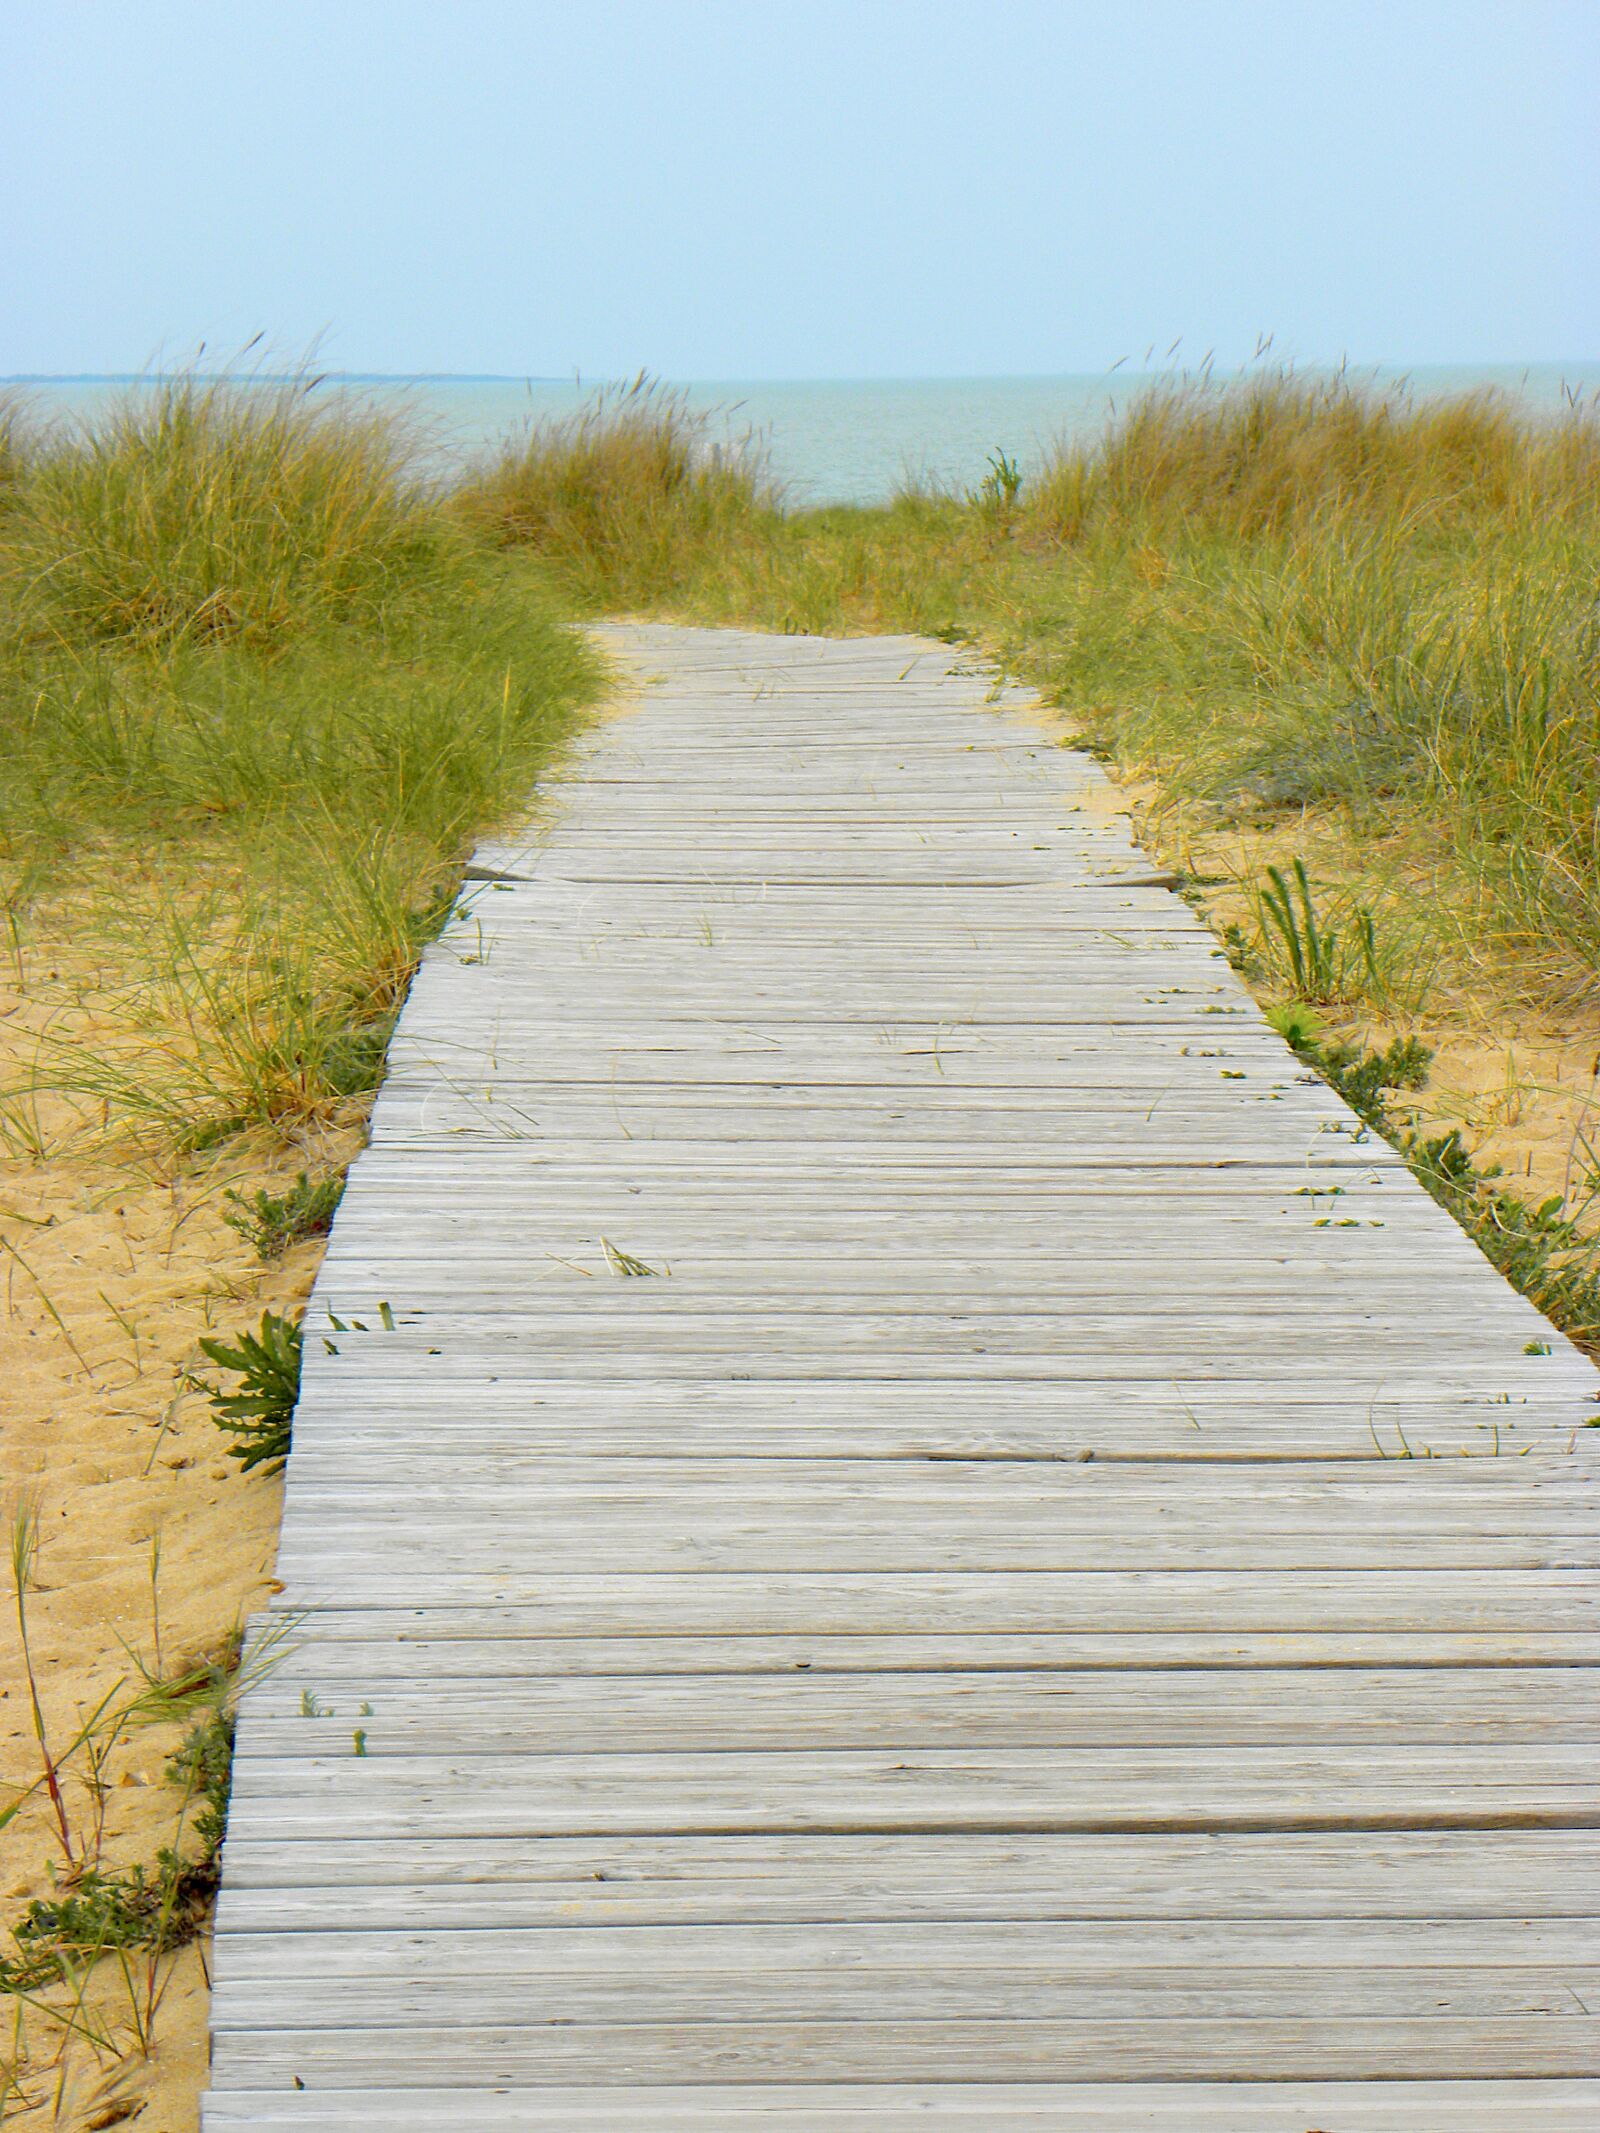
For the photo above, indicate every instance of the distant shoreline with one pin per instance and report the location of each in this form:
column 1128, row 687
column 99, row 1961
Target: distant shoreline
column 1379, row 369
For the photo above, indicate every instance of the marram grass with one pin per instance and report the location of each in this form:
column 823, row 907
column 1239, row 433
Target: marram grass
column 258, row 696
column 217, row 511
column 626, row 499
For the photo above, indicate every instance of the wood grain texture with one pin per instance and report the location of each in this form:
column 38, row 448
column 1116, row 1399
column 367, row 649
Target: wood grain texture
column 1308, row 1879
column 1486, row 2106
column 897, row 1519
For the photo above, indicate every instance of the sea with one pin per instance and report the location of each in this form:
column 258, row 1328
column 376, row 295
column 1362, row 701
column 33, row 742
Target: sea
column 831, row 440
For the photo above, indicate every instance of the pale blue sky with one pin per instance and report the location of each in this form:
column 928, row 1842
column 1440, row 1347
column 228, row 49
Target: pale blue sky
column 797, row 188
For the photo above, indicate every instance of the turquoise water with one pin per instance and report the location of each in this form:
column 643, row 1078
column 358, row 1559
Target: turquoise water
column 841, row 440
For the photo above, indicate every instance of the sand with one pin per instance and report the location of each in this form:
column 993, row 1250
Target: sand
column 154, row 1547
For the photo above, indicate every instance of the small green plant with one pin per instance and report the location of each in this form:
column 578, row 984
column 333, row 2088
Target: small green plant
column 995, row 497
column 159, row 1908
column 1319, row 962
column 1295, row 1022
column 624, row 1263
column 1235, row 946
column 1365, row 1079
column 99, row 1912
column 259, row 1415
column 1540, row 1250
column 203, row 1766
column 272, row 1222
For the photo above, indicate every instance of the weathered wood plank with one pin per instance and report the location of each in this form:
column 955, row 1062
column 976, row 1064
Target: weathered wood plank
column 709, row 1603
column 469, row 1979
column 1445, row 2106
column 334, row 1881
column 952, row 1708
column 348, row 1645
column 1086, row 1949
column 487, row 2054
column 1393, row 1785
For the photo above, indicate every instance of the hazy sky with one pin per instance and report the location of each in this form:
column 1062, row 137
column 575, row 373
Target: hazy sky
column 797, row 188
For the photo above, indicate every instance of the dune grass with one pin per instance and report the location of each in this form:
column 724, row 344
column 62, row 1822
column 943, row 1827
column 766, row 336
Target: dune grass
column 254, row 683
column 219, row 510
column 14, row 443
column 625, row 501
column 1277, row 453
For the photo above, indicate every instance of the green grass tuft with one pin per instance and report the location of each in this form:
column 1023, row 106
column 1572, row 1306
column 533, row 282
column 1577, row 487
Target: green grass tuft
column 258, row 697
column 215, row 511
column 623, row 499
column 275, row 1222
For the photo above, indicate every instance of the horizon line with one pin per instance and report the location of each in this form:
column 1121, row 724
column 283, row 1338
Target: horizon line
column 505, row 377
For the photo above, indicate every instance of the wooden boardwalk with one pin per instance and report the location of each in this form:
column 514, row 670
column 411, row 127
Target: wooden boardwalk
column 1066, row 1595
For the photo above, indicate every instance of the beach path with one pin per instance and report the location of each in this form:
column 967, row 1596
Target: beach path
column 897, row 1520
